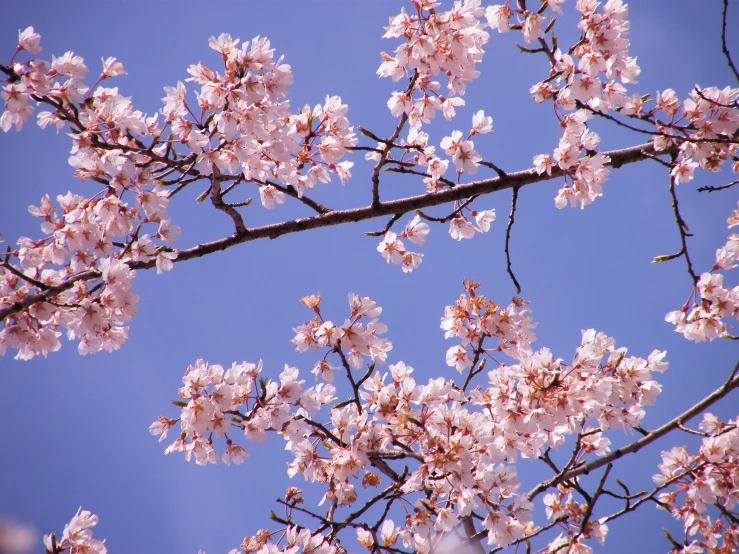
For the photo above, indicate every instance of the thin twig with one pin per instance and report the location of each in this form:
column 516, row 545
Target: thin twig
column 388, row 146
column 449, row 217
column 714, row 189
column 495, row 168
column 17, row 273
column 683, row 229
column 345, row 363
column 386, row 228
column 403, row 169
column 508, row 240
column 290, row 191
column 724, row 47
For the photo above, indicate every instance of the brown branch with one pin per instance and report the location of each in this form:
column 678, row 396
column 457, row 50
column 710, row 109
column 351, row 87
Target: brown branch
column 469, row 530
column 449, row 217
column 386, row 228
column 591, row 503
column 495, row 168
column 486, row 186
column 350, row 377
column 403, row 169
column 387, row 147
column 731, row 384
column 290, row 191
column 49, row 293
column 20, row 274
column 219, row 204
column 474, row 369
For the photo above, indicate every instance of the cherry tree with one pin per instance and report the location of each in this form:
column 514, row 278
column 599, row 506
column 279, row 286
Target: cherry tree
column 384, row 455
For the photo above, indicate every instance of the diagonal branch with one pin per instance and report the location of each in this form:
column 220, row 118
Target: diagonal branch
column 731, row 384
column 291, row 191
column 518, row 179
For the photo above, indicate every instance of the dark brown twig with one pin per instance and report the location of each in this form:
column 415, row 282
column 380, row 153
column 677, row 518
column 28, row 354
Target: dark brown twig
column 17, row 273
column 290, row 191
column 683, row 229
column 386, row 228
column 509, row 269
column 724, row 47
column 714, row 189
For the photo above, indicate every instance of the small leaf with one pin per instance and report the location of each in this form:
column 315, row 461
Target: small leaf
column 204, row 195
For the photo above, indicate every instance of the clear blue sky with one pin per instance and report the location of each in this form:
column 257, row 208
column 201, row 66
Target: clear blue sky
column 74, row 429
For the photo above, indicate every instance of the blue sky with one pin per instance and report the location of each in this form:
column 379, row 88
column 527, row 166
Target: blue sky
column 75, row 429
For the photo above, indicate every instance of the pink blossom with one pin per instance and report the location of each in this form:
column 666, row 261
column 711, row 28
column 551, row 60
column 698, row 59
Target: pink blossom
column 29, row 40
column 270, row 196
column 391, row 248
column 460, row 228
column 484, row 219
column 416, row 231
column 481, row 123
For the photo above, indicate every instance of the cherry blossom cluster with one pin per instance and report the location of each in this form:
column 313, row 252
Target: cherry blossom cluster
column 458, row 447
column 436, row 43
column 561, row 506
column 460, row 468
column 77, row 536
column 296, row 541
column 246, row 128
column 466, row 159
column 393, row 249
column 696, row 482
column 539, row 400
column 703, row 129
column 399, row 419
column 359, row 335
column 589, row 79
column 85, row 235
column 588, row 172
column 712, row 301
column 586, row 79
column 95, row 317
column 77, row 539
column 216, row 402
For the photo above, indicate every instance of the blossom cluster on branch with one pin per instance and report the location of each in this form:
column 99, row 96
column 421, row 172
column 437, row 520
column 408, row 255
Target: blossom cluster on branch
column 464, row 444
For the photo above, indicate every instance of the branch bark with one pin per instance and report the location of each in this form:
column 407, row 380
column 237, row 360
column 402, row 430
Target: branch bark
column 515, row 180
column 731, row 384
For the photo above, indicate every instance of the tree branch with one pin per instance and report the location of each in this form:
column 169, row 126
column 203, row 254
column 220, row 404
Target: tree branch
column 518, row 179
column 700, row 407
column 219, row 204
